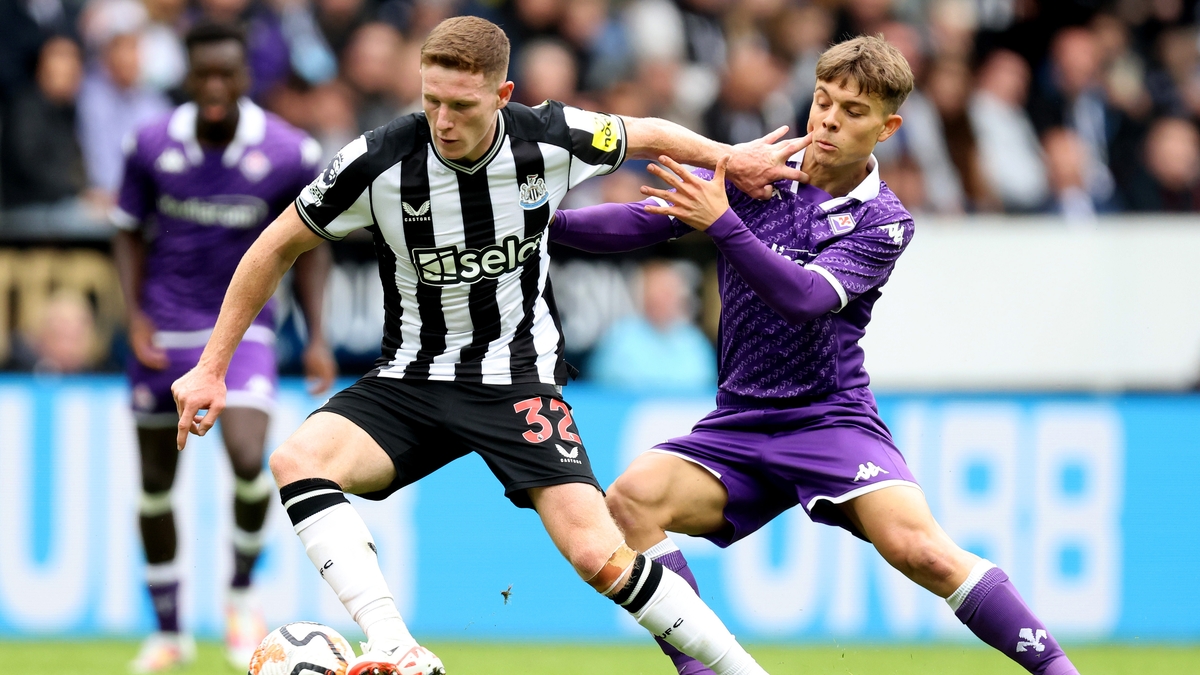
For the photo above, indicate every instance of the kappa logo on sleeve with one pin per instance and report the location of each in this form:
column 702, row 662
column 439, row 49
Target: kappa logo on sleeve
column 605, row 136
column 841, row 223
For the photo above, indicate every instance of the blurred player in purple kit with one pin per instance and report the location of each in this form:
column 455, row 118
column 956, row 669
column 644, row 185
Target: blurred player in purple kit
column 795, row 422
column 199, row 187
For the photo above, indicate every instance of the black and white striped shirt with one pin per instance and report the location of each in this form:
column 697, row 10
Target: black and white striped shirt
column 463, row 251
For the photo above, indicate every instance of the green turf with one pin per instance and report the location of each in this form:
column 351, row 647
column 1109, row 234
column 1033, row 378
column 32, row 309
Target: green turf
column 110, row 658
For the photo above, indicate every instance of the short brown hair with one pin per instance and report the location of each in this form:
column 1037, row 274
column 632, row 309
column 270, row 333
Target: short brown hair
column 468, row 43
column 878, row 68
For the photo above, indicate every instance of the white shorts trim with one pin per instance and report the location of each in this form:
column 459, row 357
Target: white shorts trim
column 693, row 460
column 858, row 492
column 247, row 399
column 190, row 339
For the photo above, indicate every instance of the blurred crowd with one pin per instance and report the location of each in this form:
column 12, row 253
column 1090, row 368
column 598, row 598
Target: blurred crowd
column 1067, row 107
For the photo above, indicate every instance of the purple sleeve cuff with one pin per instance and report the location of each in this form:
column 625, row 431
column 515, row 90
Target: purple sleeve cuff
column 796, row 293
column 612, row 228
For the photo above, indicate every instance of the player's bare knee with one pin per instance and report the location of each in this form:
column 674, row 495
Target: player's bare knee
column 293, row 461
column 636, row 501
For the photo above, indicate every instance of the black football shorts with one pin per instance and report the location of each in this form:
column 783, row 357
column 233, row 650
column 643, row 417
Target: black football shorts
column 524, row 432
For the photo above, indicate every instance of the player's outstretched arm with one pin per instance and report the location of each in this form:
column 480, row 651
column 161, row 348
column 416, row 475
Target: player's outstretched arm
column 753, row 166
column 795, row 293
column 612, row 228
column 257, row 276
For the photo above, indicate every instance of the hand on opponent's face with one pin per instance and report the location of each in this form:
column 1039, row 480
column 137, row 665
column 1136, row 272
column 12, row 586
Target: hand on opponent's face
column 695, row 201
column 754, row 166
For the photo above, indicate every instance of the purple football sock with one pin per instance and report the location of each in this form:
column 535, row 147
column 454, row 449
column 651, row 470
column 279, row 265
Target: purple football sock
column 995, row 613
column 165, row 597
column 669, row 556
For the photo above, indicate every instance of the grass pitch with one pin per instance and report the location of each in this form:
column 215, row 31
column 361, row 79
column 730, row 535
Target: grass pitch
column 111, row 657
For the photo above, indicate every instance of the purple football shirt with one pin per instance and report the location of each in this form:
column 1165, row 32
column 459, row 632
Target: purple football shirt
column 204, row 207
column 853, row 242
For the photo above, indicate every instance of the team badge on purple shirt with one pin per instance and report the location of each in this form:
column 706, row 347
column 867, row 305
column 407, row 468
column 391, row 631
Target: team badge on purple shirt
column 841, row 223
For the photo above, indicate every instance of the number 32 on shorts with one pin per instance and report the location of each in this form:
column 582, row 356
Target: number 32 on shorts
column 541, row 428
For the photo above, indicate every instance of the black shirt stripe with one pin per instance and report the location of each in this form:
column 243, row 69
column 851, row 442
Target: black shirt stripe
column 522, row 352
column 418, row 233
column 480, row 232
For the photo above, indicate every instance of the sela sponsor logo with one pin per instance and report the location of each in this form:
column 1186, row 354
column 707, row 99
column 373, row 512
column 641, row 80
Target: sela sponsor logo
column 533, row 192
column 447, row 265
column 255, row 166
column 841, row 223
column 568, row 456
column 417, row 212
column 868, row 471
column 1031, row 639
column 237, row 212
column 895, row 231
column 172, row 160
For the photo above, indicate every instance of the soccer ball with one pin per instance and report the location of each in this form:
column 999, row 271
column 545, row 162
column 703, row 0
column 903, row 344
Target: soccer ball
column 302, row 648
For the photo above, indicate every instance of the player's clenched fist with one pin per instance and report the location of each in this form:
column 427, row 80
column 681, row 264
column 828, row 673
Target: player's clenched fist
column 198, row 389
column 693, row 200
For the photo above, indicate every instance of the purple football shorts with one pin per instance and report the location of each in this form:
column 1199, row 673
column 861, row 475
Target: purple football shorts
column 818, row 455
column 251, row 381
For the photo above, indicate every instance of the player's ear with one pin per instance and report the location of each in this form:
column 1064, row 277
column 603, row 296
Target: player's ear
column 505, row 92
column 890, row 125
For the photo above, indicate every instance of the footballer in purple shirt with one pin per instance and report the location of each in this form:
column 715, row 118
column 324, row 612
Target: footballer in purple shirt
column 795, row 422
column 199, row 186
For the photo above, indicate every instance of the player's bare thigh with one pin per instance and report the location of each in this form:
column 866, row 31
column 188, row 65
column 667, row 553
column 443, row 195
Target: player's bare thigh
column 897, row 520
column 332, row 447
column 662, row 492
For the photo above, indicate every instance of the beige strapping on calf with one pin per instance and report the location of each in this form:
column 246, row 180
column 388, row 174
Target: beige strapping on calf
column 609, row 577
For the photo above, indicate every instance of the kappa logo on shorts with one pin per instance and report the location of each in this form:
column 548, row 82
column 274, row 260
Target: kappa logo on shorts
column 1031, row 639
column 868, row 471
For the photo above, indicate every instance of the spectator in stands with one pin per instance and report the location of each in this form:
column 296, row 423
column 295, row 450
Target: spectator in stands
column 43, row 175
column 1172, row 176
column 600, row 44
column 659, row 349
column 163, row 59
column 753, row 101
column 64, row 340
column 1066, row 162
column 1076, row 100
column 915, row 159
column 369, row 66
column 948, row 87
column 112, row 101
column 1010, row 156
column 547, row 71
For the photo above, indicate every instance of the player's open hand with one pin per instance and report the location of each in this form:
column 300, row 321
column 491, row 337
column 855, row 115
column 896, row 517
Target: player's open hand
column 198, row 389
column 695, row 201
column 141, row 341
column 319, row 366
column 754, row 166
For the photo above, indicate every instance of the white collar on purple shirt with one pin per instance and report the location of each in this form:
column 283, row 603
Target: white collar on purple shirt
column 251, row 130
column 863, row 192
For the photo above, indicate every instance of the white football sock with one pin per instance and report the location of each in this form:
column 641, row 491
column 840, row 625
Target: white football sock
column 672, row 611
column 341, row 548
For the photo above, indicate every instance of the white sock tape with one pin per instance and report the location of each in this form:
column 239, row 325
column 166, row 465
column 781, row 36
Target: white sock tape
column 155, row 504
column 254, row 490
column 959, row 596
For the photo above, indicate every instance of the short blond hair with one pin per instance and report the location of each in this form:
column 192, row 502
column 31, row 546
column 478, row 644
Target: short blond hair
column 877, row 67
column 470, row 44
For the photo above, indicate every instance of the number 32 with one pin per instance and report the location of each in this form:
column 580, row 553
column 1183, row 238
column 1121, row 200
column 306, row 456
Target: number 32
column 532, row 407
